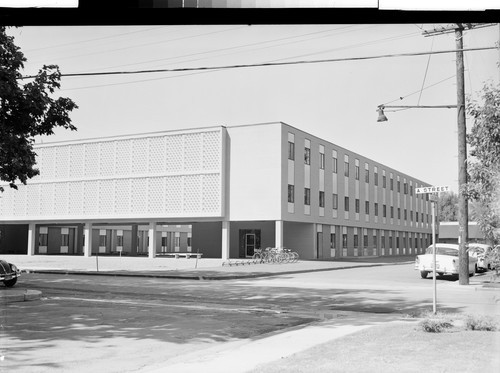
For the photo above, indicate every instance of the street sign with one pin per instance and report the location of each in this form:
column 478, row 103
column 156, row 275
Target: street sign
column 432, row 189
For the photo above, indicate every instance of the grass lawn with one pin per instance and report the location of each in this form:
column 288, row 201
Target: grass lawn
column 400, row 346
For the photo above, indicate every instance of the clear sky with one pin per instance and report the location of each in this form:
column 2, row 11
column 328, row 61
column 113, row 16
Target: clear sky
column 336, row 101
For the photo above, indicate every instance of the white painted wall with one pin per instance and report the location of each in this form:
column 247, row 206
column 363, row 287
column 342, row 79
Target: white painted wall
column 255, row 185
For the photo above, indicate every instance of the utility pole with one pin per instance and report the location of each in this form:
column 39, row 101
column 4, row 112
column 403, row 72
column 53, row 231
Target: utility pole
column 463, row 213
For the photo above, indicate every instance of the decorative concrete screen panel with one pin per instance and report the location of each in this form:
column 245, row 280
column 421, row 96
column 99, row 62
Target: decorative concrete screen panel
column 162, row 175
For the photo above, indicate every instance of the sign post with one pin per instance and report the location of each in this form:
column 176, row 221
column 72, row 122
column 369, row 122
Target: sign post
column 433, row 197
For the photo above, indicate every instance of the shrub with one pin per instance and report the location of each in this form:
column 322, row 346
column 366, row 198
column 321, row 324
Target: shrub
column 435, row 325
column 483, row 323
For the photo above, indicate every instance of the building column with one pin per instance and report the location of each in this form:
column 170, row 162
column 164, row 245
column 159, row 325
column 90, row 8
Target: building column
column 87, row 247
column 134, row 240
column 278, row 239
column 225, row 240
column 31, row 239
column 152, row 240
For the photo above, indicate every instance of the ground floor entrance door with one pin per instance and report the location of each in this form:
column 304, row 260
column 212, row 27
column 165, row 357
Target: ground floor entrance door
column 249, row 241
column 249, row 244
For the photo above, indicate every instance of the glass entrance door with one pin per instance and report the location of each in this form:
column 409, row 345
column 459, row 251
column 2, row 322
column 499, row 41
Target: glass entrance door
column 249, row 244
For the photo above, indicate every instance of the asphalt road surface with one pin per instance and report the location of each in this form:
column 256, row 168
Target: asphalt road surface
column 126, row 324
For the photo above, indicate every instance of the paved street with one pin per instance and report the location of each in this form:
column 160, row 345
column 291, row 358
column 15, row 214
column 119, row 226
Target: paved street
column 126, row 324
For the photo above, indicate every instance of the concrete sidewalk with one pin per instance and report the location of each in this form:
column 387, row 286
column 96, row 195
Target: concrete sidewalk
column 182, row 268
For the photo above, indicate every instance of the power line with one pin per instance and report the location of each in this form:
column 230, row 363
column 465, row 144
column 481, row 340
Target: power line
column 149, row 44
column 412, row 93
column 368, row 43
column 91, row 40
column 244, row 46
column 263, row 64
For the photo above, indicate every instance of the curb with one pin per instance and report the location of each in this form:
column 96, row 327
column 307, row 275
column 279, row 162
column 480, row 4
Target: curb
column 15, row 295
column 200, row 276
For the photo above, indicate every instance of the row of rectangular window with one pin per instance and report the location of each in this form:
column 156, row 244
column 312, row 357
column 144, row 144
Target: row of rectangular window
column 407, row 189
column 307, row 202
column 333, row 241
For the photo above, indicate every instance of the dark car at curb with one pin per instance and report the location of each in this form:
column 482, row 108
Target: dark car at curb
column 8, row 273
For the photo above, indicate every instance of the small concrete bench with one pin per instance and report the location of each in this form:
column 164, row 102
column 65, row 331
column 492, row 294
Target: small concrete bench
column 178, row 255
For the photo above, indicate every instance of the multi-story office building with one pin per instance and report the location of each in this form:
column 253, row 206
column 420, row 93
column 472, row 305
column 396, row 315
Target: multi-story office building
column 221, row 191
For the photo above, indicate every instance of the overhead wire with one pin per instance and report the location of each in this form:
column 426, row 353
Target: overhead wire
column 91, row 40
column 266, row 64
column 413, row 93
column 426, row 70
column 148, row 44
column 236, row 47
column 351, row 46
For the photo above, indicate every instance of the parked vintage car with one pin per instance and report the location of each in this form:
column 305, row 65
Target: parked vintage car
column 446, row 261
column 8, row 273
column 482, row 253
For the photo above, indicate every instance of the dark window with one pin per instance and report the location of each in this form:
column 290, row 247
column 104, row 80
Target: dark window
column 365, row 240
column 307, row 196
column 399, row 186
column 392, row 212
column 391, row 183
column 291, row 193
column 367, row 207
column 344, row 241
column 333, row 241
column 307, row 156
column 322, row 161
column 356, row 172
column 384, row 211
column 64, row 239
column 321, row 199
column 405, row 188
column 43, row 239
column 356, row 205
column 376, row 209
column 384, row 181
column 367, row 176
column 356, row 240
column 346, row 169
column 406, row 214
column 334, row 165
column 399, row 213
column 335, row 201
column 291, row 150
column 346, row 203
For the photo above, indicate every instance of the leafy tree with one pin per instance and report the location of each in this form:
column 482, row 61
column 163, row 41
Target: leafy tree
column 26, row 110
column 494, row 258
column 484, row 161
column 448, row 207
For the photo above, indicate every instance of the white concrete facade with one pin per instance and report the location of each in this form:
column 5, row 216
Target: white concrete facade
column 238, row 188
